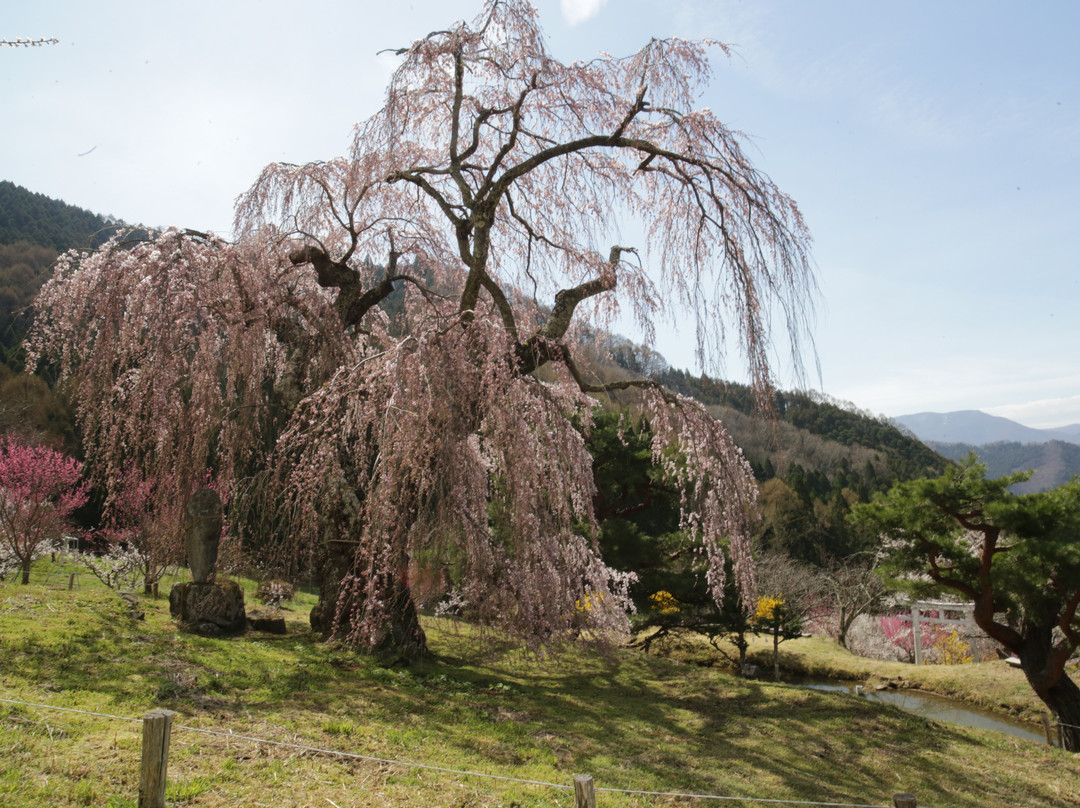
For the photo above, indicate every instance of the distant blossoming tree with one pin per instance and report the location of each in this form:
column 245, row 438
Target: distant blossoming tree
column 39, row 490
column 145, row 526
column 444, row 441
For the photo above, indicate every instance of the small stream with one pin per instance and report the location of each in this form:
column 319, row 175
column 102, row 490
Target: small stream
column 939, row 708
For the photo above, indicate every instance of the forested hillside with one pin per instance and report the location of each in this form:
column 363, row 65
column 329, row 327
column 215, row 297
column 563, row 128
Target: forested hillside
column 867, row 453
column 34, row 230
column 24, row 266
column 813, row 458
column 37, row 219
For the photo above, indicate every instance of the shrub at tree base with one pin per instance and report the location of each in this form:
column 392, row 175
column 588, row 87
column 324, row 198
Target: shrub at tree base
column 274, row 593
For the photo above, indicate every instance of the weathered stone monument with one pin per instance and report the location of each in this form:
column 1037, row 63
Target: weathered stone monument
column 203, row 605
column 203, row 534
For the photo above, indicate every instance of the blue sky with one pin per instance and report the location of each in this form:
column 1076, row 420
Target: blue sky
column 934, row 148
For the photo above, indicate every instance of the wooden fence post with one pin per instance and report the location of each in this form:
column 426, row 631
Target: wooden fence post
column 1047, row 730
column 903, row 800
column 583, row 790
column 916, row 616
column 157, row 726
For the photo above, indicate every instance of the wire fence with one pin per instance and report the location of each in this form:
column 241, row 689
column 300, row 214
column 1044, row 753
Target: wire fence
column 155, row 759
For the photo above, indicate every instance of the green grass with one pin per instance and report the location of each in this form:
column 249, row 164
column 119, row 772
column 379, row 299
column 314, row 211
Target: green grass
column 993, row 686
column 990, row 685
column 631, row 721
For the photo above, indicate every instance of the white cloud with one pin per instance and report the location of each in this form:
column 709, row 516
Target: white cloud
column 577, row 11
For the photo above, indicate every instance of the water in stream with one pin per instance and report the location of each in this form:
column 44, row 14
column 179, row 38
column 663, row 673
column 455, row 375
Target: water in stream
column 938, row 708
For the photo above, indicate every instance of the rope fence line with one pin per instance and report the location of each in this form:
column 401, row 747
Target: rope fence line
column 69, row 710
column 157, row 727
column 371, row 759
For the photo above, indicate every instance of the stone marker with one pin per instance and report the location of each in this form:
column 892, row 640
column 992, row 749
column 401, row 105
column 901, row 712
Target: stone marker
column 203, row 605
column 203, row 533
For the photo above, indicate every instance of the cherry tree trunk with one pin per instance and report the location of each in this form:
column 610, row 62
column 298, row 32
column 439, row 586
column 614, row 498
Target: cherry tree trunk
column 341, row 607
column 27, row 562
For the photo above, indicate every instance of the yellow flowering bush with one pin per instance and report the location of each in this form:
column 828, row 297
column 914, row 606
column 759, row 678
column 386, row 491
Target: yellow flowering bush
column 954, row 649
column 586, row 603
column 769, row 609
column 664, row 602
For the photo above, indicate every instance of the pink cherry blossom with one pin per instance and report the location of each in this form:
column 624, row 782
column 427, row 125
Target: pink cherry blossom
column 385, row 371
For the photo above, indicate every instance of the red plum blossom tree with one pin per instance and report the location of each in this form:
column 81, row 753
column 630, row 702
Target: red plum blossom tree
column 447, row 441
column 39, row 490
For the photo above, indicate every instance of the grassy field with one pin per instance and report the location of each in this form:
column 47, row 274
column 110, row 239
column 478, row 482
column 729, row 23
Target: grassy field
column 633, row 722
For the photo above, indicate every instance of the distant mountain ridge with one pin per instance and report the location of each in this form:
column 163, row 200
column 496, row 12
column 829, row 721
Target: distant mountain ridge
column 1052, row 464
column 1006, row 447
column 978, row 428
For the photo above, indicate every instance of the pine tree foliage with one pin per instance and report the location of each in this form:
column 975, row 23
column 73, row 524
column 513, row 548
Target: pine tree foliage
column 1016, row 557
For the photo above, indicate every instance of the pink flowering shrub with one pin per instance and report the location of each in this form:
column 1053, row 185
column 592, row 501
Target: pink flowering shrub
column 898, row 631
column 145, row 525
column 890, row 637
column 39, row 490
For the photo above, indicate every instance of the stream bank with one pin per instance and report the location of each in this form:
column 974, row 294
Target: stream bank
column 993, row 687
column 932, row 706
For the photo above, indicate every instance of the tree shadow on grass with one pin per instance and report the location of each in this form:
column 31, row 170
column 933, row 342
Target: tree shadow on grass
column 630, row 721
column 694, row 730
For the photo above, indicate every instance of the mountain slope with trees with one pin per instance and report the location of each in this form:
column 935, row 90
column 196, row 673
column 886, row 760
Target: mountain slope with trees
column 38, row 219
column 1004, row 446
column 34, row 230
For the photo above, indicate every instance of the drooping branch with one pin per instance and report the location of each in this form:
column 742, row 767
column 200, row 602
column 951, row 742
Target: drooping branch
column 482, row 111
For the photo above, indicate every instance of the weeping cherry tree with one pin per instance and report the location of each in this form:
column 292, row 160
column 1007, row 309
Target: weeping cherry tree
column 445, row 444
